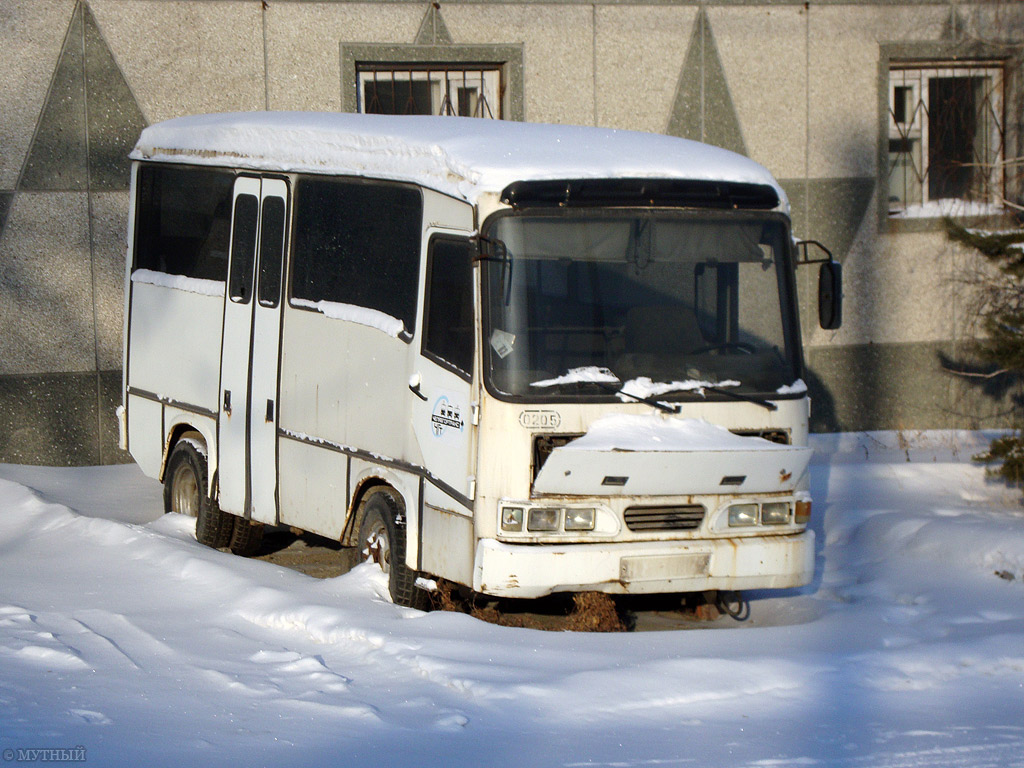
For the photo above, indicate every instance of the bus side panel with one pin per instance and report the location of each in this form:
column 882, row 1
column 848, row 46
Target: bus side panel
column 447, row 544
column 145, row 436
column 313, row 487
column 175, row 344
column 346, row 384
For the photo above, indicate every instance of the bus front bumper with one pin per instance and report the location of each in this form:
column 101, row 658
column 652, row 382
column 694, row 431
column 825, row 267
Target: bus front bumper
column 739, row 563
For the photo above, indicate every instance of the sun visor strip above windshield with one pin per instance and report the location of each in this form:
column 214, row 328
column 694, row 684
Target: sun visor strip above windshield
column 686, row 193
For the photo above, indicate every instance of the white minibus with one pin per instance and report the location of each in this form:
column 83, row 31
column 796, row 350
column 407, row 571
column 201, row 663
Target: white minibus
column 520, row 358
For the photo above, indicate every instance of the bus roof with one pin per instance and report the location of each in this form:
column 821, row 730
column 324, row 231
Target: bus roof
column 463, row 157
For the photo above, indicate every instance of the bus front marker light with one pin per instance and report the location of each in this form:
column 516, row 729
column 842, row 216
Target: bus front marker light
column 579, row 519
column 742, row 514
column 775, row 513
column 543, row 519
column 512, row 519
column 803, row 513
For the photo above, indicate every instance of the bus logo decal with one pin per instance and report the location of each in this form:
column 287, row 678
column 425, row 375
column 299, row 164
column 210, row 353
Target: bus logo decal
column 447, row 415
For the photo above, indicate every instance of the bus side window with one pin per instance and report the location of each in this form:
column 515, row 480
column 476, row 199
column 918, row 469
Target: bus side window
column 449, row 304
column 183, row 221
column 358, row 243
column 243, row 248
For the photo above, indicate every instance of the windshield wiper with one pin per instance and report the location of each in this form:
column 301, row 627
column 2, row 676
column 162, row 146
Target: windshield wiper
column 648, row 400
column 746, row 398
column 695, row 393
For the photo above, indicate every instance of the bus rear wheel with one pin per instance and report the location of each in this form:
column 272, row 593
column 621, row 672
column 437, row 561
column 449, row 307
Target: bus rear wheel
column 185, row 493
column 382, row 541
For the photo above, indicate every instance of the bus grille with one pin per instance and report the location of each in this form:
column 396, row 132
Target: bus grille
column 679, row 518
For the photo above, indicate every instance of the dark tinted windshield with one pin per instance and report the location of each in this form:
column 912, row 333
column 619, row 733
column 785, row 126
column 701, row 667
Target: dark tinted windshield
column 663, row 300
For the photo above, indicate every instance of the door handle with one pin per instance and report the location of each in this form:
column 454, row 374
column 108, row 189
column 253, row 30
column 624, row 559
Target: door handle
column 270, row 410
column 227, row 401
column 414, row 386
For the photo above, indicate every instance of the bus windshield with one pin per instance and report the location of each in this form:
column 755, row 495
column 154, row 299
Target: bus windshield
column 585, row 303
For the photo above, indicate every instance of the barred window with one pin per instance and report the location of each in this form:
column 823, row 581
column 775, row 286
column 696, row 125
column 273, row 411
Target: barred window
column 946, row 138
column 466, row 90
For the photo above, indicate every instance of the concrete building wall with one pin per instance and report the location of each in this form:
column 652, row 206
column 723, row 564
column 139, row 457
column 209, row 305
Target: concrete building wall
column 800, row 87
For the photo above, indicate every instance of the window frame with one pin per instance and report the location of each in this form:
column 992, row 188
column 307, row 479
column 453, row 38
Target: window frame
column 508, row 59
column 445, row 78
column 945, row 56
column 917, row 77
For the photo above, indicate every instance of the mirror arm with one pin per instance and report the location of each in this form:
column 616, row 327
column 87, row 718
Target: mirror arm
column 803, row 244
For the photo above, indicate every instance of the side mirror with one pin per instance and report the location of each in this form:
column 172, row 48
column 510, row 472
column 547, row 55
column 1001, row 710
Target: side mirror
column 830, row 295
column 830, row 284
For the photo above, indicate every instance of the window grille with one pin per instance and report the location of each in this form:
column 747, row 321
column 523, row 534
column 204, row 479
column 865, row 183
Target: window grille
column 946, row 136
column 430, row 89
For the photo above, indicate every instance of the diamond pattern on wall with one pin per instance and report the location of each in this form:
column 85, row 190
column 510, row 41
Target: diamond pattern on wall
column 703, row 109
column 433, row 30
column 90, row 120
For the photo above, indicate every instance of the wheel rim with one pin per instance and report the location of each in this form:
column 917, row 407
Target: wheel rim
column 185, row 492
column 377, row 546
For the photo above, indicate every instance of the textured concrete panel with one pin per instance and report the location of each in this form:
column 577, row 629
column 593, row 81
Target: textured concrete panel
column 829, row 210
column 182, row 58
column 46, row 301
column 894, row 386
column 58, row 158
column 844, row 95
column 833, row 212
column 703, row 108
column 763, row 53
column 910, row 288
column 49, row 419
column 31, row 35
column 558, row 56
column 640, row 51
column 303, row 41
column 109, row 247
column 114, row 119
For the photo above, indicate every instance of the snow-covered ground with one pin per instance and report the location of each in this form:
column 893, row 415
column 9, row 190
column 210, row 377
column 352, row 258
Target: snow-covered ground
column 120, row 634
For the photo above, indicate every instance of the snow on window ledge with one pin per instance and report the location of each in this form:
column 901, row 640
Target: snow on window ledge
column 935, row 209
column 371, row 318
column 197, row 285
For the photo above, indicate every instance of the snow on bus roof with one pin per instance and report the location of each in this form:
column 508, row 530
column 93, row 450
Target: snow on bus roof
column 464, row 157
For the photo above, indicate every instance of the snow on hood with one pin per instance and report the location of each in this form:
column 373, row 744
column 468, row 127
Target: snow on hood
column 623, row 432
column 465, row 157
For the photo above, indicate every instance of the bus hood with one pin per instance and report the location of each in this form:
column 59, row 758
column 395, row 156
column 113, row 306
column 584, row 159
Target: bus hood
column 624, row 455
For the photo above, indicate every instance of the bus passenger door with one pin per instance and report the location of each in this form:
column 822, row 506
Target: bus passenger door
column 247, row 461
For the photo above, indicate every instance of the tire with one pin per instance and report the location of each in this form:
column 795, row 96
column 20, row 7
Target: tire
column 382, row 540
column 246, row 537
column 185, row 493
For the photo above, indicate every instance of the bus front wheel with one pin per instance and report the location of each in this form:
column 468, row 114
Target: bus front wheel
column 382, row 541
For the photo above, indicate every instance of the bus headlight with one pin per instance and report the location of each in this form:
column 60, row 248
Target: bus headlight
column 579, row 519
column 742, row 514
column 543, row 519
column 511, row 519
column 775, row 513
